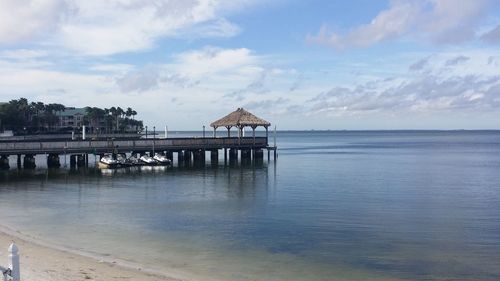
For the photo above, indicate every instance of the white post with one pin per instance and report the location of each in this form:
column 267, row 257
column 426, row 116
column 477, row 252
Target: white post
column 274, row 135
column 83, row 132
column 166, row 131
column 14, row 262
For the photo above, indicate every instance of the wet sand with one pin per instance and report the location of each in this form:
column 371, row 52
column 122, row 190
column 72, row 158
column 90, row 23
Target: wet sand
column 43, row 263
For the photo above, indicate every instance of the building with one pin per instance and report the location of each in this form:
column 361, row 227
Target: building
column 71, row 117
column 75, row 118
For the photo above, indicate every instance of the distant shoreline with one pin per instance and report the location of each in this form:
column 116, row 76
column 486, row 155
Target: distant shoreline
column 393, row 130
column 346, row 130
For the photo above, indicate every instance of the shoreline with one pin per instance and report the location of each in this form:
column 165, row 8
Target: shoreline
column 42, row 261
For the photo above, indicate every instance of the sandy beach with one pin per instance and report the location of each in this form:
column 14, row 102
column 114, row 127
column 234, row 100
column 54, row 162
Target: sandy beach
column 42, row 263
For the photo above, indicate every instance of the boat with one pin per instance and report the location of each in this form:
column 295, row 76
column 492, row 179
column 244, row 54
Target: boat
column 147, row 160
column 162, row 159
column 123, row 161
column 134, row 161
column 107, row 161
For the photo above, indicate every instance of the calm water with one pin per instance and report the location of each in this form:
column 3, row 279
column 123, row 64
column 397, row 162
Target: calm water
column 334, row 206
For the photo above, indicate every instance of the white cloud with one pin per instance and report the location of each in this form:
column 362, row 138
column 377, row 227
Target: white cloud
column 40, row 84
column 456, row 60
column 492, row 36
column 105, row 27
column 217, row 28
column 209, row 65
column 195, row 79
column 23, row 54
column 215, row 60
column 440, row 21
column 112, row 68
column 32, row 74
column 450, row 83
column 420, row 64
column 28, row 20
column 450, row 22
column 140, row 81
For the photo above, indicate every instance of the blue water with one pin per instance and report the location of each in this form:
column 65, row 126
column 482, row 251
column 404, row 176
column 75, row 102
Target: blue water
column 340, row 205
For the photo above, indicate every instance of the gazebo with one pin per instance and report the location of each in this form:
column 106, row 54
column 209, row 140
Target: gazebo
column 240, row 119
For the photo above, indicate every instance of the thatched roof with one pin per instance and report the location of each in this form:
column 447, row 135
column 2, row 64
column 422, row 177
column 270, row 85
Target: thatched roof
column 240, row 118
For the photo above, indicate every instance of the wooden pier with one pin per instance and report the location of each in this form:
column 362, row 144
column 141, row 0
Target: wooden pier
column 190, row 150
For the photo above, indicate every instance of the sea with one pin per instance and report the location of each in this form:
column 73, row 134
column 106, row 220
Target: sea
column 334, row 205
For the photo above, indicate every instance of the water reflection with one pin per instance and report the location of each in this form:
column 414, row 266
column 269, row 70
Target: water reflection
column 238, row 174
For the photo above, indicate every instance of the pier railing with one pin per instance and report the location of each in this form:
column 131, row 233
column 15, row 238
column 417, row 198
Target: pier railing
column 12, row 272
column 103, row 146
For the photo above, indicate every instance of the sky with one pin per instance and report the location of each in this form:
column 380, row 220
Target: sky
column 300, row 64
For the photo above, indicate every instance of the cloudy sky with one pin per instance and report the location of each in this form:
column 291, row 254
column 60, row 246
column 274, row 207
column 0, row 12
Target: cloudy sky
column 301, row 64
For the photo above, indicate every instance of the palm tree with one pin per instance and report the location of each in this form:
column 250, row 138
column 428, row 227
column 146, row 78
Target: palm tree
column 129, row 112
column 119, row 114
column 92, row 114
column 50, row 113
column 114, row 112
column 106, row 118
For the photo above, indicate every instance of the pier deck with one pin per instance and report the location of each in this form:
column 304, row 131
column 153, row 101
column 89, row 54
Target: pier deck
column 188, row 150
column 122, row 146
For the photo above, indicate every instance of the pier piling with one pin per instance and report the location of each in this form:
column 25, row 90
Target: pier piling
column 258, row 154
column 246, row 154
column 53, row 161
column 196, row 157
column 80, row 160
column 187, row 157
column 180, row 157
column 214, row 156
column 72, row 161
column 199, row 157
column 170, row 155
column 233, row 155
column 29, row 161
column 4, row 162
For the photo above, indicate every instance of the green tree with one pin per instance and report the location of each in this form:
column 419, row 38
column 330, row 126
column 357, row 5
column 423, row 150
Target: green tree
column 119, row 114
column 22, row 116
column 129, row 112
column 52, row 111
column 94, row 115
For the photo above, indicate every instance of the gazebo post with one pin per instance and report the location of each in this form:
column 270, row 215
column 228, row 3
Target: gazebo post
column 253, row 133
column 215, row 133
column 228, row 131
column 240, row 134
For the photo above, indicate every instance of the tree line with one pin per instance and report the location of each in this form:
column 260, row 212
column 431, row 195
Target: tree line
column 24, row 117
column 115, row 119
